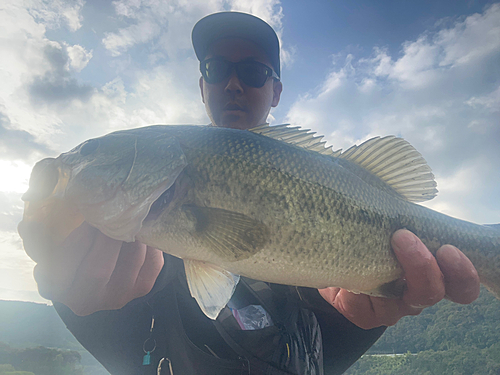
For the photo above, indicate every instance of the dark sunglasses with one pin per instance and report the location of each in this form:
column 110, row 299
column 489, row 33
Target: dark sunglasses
column 251, row 73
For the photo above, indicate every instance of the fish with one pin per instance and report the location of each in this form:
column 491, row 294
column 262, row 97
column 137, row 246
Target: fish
column 272, row 203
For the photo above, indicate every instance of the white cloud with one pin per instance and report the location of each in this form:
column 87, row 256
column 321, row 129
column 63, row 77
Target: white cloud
column 168, row 22
column 125, row 38
column 472, row 39
column 79, row 57
column 270, row 11
column 55, row 13
column 440, row 94
column 489, row 102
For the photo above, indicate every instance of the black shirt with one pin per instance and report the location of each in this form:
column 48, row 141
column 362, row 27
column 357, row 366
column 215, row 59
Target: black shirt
column 120, row 339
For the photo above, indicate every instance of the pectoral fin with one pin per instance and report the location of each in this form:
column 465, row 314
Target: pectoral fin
column 211, row 286
column 230, row 235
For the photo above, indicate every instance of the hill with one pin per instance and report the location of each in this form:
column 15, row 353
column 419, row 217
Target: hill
column 37, row 327
column 447, row 338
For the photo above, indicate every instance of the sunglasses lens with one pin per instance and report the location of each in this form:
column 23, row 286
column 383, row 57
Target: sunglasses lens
column 214, row 71
column 252, row 73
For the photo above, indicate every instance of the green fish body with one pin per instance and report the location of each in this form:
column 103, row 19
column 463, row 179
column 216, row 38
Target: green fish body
column 271, row 204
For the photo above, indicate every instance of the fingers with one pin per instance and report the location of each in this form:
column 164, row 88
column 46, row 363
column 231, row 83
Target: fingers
column 149, row 272
column 429, row 279
column 89, row 271
column 57, row 266
column 135, row 273
column 369, row 312
column 124, row 276
column 112, row 275
column 460, row 276
column 425, row 281
column 35, row 239
column 357, row 308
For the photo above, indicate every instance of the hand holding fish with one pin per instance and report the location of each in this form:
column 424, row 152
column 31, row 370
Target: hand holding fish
column 429, row 279
column 91, row 272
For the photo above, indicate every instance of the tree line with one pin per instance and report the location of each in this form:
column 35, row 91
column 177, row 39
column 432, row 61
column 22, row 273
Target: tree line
column 444, row 339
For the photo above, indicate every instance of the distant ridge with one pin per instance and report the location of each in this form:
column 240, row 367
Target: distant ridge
column 27, row 323
column 30, row 324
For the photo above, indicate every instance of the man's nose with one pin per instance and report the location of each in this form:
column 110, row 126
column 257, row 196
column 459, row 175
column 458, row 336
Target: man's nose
column 234, row 85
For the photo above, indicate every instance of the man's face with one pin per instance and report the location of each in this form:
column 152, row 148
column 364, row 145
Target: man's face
column 231, row 103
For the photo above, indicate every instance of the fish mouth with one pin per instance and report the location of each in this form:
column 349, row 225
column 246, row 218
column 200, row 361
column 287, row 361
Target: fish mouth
column 44, row 202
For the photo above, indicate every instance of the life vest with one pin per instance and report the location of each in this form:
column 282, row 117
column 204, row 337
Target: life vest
column 292, row 344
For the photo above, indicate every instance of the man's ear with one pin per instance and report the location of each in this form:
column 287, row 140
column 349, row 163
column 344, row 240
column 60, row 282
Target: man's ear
column 201, row 89
column 277, row 88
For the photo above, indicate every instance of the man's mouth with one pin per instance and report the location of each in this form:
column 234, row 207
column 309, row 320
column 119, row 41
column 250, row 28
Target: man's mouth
column 233, row 107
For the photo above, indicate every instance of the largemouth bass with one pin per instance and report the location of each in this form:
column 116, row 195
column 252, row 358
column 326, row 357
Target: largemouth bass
column 271, row 204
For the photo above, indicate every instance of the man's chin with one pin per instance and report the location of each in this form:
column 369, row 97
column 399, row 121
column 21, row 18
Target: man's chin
column 235, row 122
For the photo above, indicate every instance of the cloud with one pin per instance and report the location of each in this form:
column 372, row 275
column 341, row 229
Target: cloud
column 57, row 85
column 36, row 71
column 487, row 103
column 78, row 57
column 16, row 268
column 11, row 210
column 271, row 12
column 17, row 144
column 169, row 24
column 441, row 94
column 55, row 13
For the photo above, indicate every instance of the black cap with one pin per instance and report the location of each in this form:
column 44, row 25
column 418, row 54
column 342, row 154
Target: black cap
column 240, row 25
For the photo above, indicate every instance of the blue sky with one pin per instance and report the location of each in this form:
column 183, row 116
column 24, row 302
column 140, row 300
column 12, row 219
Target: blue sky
column 428, row 71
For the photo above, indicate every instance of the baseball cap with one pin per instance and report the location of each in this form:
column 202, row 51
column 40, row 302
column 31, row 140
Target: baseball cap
column 240, row 25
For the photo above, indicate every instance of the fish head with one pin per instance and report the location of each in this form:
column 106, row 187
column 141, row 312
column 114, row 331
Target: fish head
column 111, row 182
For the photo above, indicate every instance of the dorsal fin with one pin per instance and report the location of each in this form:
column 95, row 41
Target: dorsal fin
column 297, row 136
column 393, row 160
column 398, row 164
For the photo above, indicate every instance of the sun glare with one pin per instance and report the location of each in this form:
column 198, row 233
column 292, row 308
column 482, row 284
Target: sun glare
column 15, row 176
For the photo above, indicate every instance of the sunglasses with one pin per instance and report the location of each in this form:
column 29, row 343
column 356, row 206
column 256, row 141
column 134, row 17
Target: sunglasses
column 251, row 73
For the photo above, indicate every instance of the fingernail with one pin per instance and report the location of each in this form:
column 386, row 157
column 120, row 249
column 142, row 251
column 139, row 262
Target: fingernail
column 418, row 306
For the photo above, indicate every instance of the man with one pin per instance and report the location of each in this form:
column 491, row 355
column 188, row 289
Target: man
column 129, row 304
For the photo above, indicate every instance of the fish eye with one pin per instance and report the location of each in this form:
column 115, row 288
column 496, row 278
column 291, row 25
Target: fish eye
column 89, row 147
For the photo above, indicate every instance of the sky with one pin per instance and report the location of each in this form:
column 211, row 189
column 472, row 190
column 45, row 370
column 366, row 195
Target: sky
column 427, row 71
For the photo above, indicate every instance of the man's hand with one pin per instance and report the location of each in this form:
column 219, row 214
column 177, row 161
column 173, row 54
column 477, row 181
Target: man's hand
column 429, row 279
column 89, row 271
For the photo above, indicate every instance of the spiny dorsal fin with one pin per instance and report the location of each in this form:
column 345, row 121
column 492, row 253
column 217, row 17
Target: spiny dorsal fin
column 297, row 136
column 398, row 164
